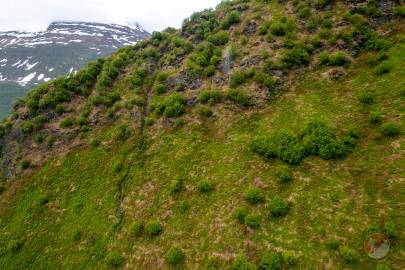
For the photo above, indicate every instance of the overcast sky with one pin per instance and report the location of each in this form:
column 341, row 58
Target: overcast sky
column 35, row 15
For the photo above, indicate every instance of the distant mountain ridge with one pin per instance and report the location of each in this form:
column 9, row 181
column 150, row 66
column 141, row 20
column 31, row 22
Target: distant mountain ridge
column 30, row 58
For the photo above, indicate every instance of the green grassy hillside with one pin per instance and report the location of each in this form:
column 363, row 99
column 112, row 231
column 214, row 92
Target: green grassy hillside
column 266, row 171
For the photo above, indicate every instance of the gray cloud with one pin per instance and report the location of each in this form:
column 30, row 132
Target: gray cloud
column 152, row 14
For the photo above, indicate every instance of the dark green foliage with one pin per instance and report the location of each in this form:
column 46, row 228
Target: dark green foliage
column 39, row 121
column 240, row 214
column 278, row 29
column 172, row 106
column 239, row 97
column 390, row 130
column 25, row 164
column 271, row 261
column 95, row 143
column 295, row 57
column 237, row 78
column 149, row 121
column 14, row 246
column 375, row 118
column 333, row 244
column 399, row 11
column 205, row 112
column 220, row 38
column 382, row 266
column 336, row 59
column 117, row 167
column 67, row 122
column 160, row 88
column 390, row 229
column 282, row 144
column 350, row 255
column 114, row 259
column 233, row 17
column 265, row 79
column 289, row 259
column 174, row 256
column 2, row 189
column 176, row 186
column 253, row 220
column 242, row 263
column 43, row 199
column 205, row 186
column 383, row 68
column 136, row 229
column 27, row 127
column 367, row 98
column 254, row 195
column 107, row 99
column 278, row 207
column 283, row 174
column 122, row 132
column 153, row 228
column 200, row 23
column 210, row 96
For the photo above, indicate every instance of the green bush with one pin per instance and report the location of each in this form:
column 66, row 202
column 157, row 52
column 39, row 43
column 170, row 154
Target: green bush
column 242, row 263
column 399, row 11
column 375, row 118
column 239, row 97
column 172, row 106
column 25, row 164
column 336, row 59
column 205, row 112
column 122, row 132
column 295, row 57
column 114, row 259
column 136, row 229
column 278, row 29
column 174, row 256
column 390, row 130
column 289, row 259
column 283, row 174
column 160, row 88
column 271, row 261
column 390, row 229
column 39, row 121
column 278, row 207
column 382, row 266
column 282, row 144
column 265, row 79
column 237, row 78
column 95, row 143
column 220, row 38
column 349, row 255
column 254, row 195
column 153, row 228
column 66, row 122
column 233, row 17
column 333, row 244
column 205, row 186
column 383, row 68
column 43, row 199
column 240, row 214
column 367, row 98
column 210, row 96
column 27, row 127
column 253, row 220
column 176, row 186
column 15, row 245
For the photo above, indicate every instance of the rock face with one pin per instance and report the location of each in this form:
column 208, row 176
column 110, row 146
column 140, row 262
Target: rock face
column 30, row 58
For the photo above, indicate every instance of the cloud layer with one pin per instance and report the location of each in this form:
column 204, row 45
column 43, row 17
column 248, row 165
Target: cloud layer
column 153, row 15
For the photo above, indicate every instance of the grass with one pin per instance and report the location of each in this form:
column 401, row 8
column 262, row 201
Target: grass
column 328, row 200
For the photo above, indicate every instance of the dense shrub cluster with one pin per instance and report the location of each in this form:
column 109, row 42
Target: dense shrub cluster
column 242, row 263
column 350, row 255
column 220, row 38
column 153, row 228
column 210, row 96
column 174, row 256
column 316, row 139
column 136, row 229
column 114, row 259
column 205, row 186
column 172, row 106
column 278, row 207
column 253, row 220
column 336, row 59
column 283, row 174
column 231, row 18
column 254, row 195
column 390, row 130
column 240, row 97
column 200, row 24
column 204, row 60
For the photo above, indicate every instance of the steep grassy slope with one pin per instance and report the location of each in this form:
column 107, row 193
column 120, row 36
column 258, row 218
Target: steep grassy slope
column 144, row 191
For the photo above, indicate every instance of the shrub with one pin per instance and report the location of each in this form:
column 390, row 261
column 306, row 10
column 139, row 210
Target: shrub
column 174, row 256
column 295, row 57
column 265, row 79
column 242, row 263
column 15, row 245
column 283, row 174
column 232, row 18
column 160, row 88
column 349, row 255
column 367, row 98
column 271, row 261
column 337, row 59
column 172, row 106
column 278, row 29
column 220, row 38
column 382, row 267
column 278, row 207
column 390, row 130
column 205, row 186
column 95, row 143
column 289, row 259
column 239, row 97
column 240, row 214
column 254, row 195
column 122, row 132
column 136, row 229
column 149, row 121
column 205, row 112
column 67, row 122
column 153, row 228
column 375, row 118
column 383, row 68
column 253, row 220
column 39, row 121
column 399, row 11
column 282, row 144
column 25, row 164
column 114, row 259
column 176, row 186
column 27, row 127
column 333, row 244
column 237, row 78
column 210, row 96
column 390, row 229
